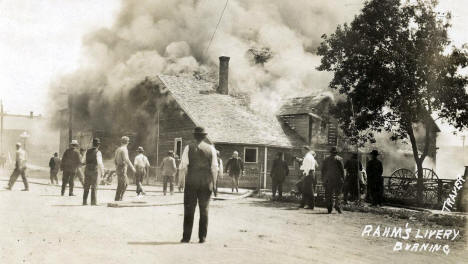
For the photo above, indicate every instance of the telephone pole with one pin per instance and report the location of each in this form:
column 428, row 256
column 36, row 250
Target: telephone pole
column 70, row 116
column 1, row 126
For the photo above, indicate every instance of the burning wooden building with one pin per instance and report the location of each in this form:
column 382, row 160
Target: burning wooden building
column 179, row 103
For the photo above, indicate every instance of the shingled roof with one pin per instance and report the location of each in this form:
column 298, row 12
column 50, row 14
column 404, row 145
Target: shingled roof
column 303, row 105
column 226, row 118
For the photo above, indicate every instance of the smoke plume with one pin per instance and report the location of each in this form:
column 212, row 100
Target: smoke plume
column 172, row 37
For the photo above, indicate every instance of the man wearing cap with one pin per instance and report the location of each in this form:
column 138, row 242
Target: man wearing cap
column 235, row 168
column 54, row 165
column 20, row 169
column 71, row 160
column 122, row 162
column 374, row 170
column 142, row 166
column 94, row 167
column 199, row 165
column 333, row 179
column 168, row 171
column 308, row 167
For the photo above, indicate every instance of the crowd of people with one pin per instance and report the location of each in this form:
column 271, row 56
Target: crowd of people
column 198, row 170
column 339, row 180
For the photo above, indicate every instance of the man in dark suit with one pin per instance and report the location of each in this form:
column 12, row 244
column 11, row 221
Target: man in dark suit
column 279, row 172
column 374, row 172
column 333, row 179
column 199, row 164
column 71, row 160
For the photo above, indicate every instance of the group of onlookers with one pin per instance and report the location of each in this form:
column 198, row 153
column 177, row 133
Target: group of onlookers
column 348, row 180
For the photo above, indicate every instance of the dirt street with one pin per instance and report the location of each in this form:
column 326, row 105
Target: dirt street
column 40, row 226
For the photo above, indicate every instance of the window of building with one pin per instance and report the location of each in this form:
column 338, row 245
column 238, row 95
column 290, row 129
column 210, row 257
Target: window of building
column 178, row 147
column 250, row 155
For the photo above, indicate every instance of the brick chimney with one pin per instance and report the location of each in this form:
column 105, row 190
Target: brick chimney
column 223, row 87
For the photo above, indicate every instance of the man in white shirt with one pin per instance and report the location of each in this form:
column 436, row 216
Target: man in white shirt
column 199, row 164
column 94, row 167
column 122, row 162
column 142, row 166
column 308, row 167
column 20, row 169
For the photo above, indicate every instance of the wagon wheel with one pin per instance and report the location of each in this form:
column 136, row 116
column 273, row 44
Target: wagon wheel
column 428, row 174
column 401, row 181
column 430, row 185
column 403, row 173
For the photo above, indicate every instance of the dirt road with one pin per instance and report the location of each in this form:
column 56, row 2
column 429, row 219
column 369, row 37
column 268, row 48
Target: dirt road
column 40, row 226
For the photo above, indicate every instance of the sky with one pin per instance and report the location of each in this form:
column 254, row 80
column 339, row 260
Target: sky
column 41, row 40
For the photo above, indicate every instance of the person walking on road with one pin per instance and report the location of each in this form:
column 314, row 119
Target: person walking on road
column 168, row 170
column 308, row 181
column 54, row 165
column 279, row 172
column 235, row 168
column 333, row 179
column 71, row 161
column 142, row 166
column 199, row 165
column 94, row 167
column 20, row 169
column 374, row 171
column 122, row 162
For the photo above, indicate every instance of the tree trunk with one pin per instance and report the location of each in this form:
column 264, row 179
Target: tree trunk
column 420, row 183
column 419, row 162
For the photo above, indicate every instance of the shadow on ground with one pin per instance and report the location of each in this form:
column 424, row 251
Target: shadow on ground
column 154, row 243
column 288, row 206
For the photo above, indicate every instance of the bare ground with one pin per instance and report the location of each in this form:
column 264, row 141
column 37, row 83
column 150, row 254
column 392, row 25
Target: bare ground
column 40, row 226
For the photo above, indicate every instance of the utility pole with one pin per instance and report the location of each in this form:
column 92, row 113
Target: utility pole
column 70, row 116
column 1, row 127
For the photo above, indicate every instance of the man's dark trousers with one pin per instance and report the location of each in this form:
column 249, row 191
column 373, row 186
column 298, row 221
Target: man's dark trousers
column 192, row 195
column 68, row 178
column 277, row 184
column 333, row 189
column 166, row 180
column 308, row 197
column 90, row 181
column 14, row 176
column 139, row 175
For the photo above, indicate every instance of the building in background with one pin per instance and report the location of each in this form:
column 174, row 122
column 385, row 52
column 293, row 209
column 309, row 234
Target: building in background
column 34, row 132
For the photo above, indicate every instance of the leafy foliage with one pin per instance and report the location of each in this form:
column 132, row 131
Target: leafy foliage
column 394, row 63
column 396, row 68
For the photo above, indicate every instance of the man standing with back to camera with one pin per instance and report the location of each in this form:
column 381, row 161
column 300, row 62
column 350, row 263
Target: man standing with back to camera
column 199, row 164
column 71, row 161
column 94, row 166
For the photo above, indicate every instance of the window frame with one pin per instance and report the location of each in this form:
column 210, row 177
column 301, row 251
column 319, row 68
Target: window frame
column 179, row 139
column 256, row 155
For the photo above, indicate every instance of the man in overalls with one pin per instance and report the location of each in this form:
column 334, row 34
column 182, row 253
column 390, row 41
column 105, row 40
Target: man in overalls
column 121, row 163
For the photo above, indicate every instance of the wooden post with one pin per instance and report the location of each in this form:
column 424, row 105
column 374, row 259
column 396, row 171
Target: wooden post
column 439, row 191
column 157, row 145
column 70, row 116
column 1, row 127
column 265, row 167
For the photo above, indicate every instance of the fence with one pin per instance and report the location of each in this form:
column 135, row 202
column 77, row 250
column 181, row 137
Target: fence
column 403, row 191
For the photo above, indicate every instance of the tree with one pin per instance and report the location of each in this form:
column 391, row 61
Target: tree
column 396, row 68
